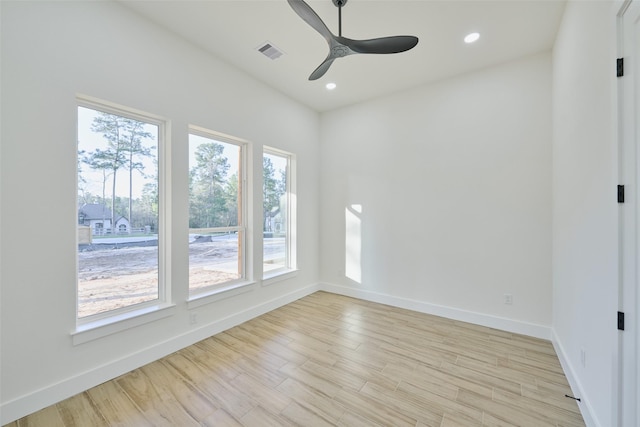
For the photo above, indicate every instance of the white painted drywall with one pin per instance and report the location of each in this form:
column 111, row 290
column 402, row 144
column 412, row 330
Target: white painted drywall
column 442, row 195
column 52, row 51
column 585, row 256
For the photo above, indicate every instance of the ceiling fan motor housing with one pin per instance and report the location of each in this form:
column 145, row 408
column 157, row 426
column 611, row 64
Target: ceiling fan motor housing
column 340, row 51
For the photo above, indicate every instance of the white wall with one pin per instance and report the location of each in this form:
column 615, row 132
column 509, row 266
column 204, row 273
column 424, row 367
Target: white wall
column 454, row 184
column 52, row 51
column 585, row 254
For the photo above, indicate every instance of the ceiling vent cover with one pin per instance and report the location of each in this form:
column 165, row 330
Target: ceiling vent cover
column 270, row 51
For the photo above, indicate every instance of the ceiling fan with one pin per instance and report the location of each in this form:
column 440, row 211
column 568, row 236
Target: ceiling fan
column 341, row 46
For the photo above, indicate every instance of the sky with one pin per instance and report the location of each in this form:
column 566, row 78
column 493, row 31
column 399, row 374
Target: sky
column 89, row 141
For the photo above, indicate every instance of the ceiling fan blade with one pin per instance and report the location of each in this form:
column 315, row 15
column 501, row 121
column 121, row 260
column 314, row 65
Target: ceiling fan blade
column 311, row 17
column 393, row 44
column 322, row 68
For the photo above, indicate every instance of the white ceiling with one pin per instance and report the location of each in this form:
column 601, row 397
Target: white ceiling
column 232, row 30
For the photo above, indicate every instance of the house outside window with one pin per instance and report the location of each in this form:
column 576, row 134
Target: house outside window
column 119, row 153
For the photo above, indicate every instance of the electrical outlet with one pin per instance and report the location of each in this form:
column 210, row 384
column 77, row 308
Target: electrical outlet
column 508, row 299
column 583, row 358
column 193, row 318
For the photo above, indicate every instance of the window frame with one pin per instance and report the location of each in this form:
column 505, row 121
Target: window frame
column 212, row 292
column 290, row 267
column 104, row 323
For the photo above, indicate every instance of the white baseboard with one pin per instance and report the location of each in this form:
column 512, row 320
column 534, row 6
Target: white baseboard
column 585, row 408
column 32, row 402
column 504, row 324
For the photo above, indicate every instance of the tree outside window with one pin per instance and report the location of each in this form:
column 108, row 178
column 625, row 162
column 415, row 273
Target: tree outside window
column 117, row 210
column 216, row 219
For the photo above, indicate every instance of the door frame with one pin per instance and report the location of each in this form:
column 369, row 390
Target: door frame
column 627, row 401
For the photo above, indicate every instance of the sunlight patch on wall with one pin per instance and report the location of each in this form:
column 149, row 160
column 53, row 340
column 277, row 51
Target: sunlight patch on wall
column 353, row 243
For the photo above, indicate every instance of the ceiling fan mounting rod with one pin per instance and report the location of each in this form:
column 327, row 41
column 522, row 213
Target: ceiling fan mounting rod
column 339, row 4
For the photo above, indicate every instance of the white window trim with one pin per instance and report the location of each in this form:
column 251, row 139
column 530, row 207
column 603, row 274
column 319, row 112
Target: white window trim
column 120, row 321
column 224, row 290
column 290, row 269
column 102, row 324
column 275, row 276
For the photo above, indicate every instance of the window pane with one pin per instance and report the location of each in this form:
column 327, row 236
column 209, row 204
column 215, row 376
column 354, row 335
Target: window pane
column 215, row 212
column 117, row 212
column 275, row 202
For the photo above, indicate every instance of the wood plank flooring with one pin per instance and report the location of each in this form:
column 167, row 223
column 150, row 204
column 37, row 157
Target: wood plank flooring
column 329, row 360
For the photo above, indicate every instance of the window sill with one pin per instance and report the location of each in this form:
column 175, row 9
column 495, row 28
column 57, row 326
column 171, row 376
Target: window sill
column 218, row 294
column 90, row 331
column 278, row 276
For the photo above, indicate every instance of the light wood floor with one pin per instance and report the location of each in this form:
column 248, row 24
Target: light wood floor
column 331, row 360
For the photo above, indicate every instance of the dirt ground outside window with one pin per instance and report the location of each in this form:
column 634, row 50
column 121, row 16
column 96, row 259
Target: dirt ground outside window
column 112, row 276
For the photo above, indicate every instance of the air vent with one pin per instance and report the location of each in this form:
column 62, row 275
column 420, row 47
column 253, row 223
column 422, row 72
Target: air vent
column 270, row 51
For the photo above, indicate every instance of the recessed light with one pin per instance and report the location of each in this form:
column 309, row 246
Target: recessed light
column 330, row 86
column 470, row 38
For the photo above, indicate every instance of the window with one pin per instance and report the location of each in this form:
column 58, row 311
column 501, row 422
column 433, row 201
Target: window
column 216, row 211
column 118, row 205
column 278, row 212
